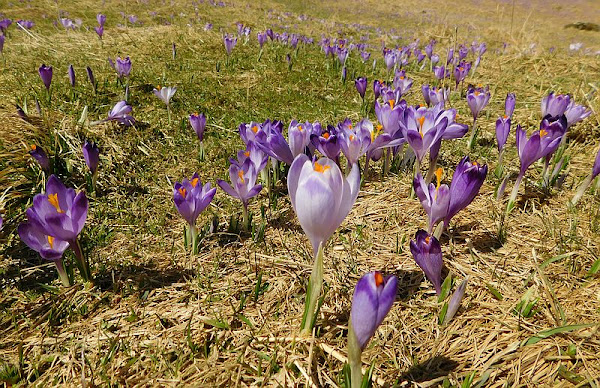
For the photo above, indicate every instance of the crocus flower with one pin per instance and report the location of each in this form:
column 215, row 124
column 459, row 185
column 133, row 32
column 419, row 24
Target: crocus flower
column 230, row 42
column 421, row 130
column 440, row 72
column 198, row 123
column 4, row 24
column 243, row 179
column 99, row 31
column 401, row 82
column 509, row 104
column 71, row 74
column 252, row 132
column 121, row 113
column 477, row 98
column 91, row 154
column 262, row 38
column 46, row 75
column 355, row 141
column 299, row 137
column 101, row 19
column 434, row 95
column 27, row 24
column 90, row 75
column 255, row 154
column 361, row 86
column 39, row 154
column 191, row 198
column 434, row 198
column 327, row 143
column 373, row 298
column 461, row 71
column 2, row 39
column 502, row 131
column 587, row 181
column 49, row 247
column 121, row 66
column 455, row 300
column 555, row 105
column 365, row 55
column 427, row 252
column 596, row 168
column 575, row 113
column 541, row 143
column 321, row 196
column 276, row 146
column 466, row 182
column 165, row 94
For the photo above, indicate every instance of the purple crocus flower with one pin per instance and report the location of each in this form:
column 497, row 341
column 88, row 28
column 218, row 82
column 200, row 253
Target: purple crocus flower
column 365, row 55
column 434, row 95
column 477, row 98
column 39, row 154
column 361, row 86
column 502, row 131
column 466, row 182
column 90, row 75
column 198, row 123
column 435, row 59
column 461, row 71
column 49, row 247
column 321, row 196
column 388, row 114
column 243, row 179
column 255, row 154
column 27, row 24
column 262, row 38
column 91, row 154
column 440, row 72
column 355, row 141
column 121, row 113
column 575, row 113
column 377, row 86
column 299, row 137
column 101, row 19
column 230, row 42
column 99, row 31
column 71, row 74
column 401, row 82
column 165, row 94
column 276, row 146
column 252, row 132
column 2, row 39
column 46, row 75
column 555, row 105
column 434, row 198
column 596, row 168
column 389, row 58
column 509, row 105
column 541, row 143
column 121, row 66
column 373, row 298
column 327, row 143
column 191, row 198
column 4, row 24
column 421, row 129
column 427, row 252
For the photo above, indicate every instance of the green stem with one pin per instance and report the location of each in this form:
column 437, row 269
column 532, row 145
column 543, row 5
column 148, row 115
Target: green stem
column 473, row 134
column 62, row 274
column 194, row 238
column 514, row 193
column 83, row 264
column 245, row 225
column 354, row 358
column 581, row 190
column 417, row 170
column 313, row 291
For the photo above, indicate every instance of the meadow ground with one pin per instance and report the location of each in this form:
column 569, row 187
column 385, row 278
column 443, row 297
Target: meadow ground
column 229, row 316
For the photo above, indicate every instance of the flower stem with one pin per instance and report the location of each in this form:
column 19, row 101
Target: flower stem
column 62, row 274
column 473, row 134
column 581, row 190
column 354, row 358
column 417, row 170
column 315, row 284
column 514, row 193
column 431, row 171
column 194, row 238
column 245, row 225
column 83, row 265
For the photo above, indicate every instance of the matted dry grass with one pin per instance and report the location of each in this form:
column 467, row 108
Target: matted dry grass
column 229, row 316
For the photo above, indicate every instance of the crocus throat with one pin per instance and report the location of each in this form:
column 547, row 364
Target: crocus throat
column 53, row 199
column 50, row 241
column 182, row 191
column 318, row 167
column 378, row 279
column 391, row 102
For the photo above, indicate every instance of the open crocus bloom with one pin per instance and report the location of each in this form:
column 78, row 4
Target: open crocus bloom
column 434, row 198
column 421, row 129
column 477, row 98
column 541, row 143
column 191, row 198
column 466, row 182
column 321, row 196
column 373, row 298
column 165, row 94
column 243, row 179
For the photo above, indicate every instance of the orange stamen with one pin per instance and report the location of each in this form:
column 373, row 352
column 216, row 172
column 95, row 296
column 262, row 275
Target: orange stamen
column 241, row 176
column 378, row 279
column 247, row 153
column 543, row 133
column 476, row 93
column 53, row 199
column 427, row 239
column 300, row 128
column 254, row 129
column 421, row 121
column 51, row 241
column 351, row 137
column 182, row 191
column 33, row 147
column 401, row 77
column 194, row 182
column 391, row 102
column 438, row 175
column 318, row 167
column 326, row 135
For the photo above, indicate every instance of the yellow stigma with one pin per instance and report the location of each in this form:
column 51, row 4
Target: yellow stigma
column 33, row 147
column 158, row 87
column 51, row 241
column 505, row 117
column 421, row 121
column 421, row 105
column 476, row 93
column 438, row 175
column 543, row 133
column 194, row 182
column 474, row 164
column 247, row 153
column 326, row 135
column 241, row 176
column 378, row 279
column 300, row 128
column 318, row 167
column 182, row 191
column 53, row 199
column 254, row 129
column 349, row 126
column 401, row 77
column 461, row 68
column 379, row 127
column 391, row 102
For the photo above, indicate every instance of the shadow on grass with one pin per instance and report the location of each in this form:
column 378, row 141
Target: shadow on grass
column 408, row 283
column 143, row 277
column 428, row 370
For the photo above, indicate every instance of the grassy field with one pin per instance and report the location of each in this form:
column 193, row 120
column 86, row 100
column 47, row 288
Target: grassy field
column 155, row 315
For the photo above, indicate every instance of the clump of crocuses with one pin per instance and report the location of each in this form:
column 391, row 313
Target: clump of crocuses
column 54, row 223
column 373, row 298
column 243, row 185
column 191, row 198
column 322, row 198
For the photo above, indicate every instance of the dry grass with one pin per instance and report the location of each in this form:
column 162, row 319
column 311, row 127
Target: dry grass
column 229, row 316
